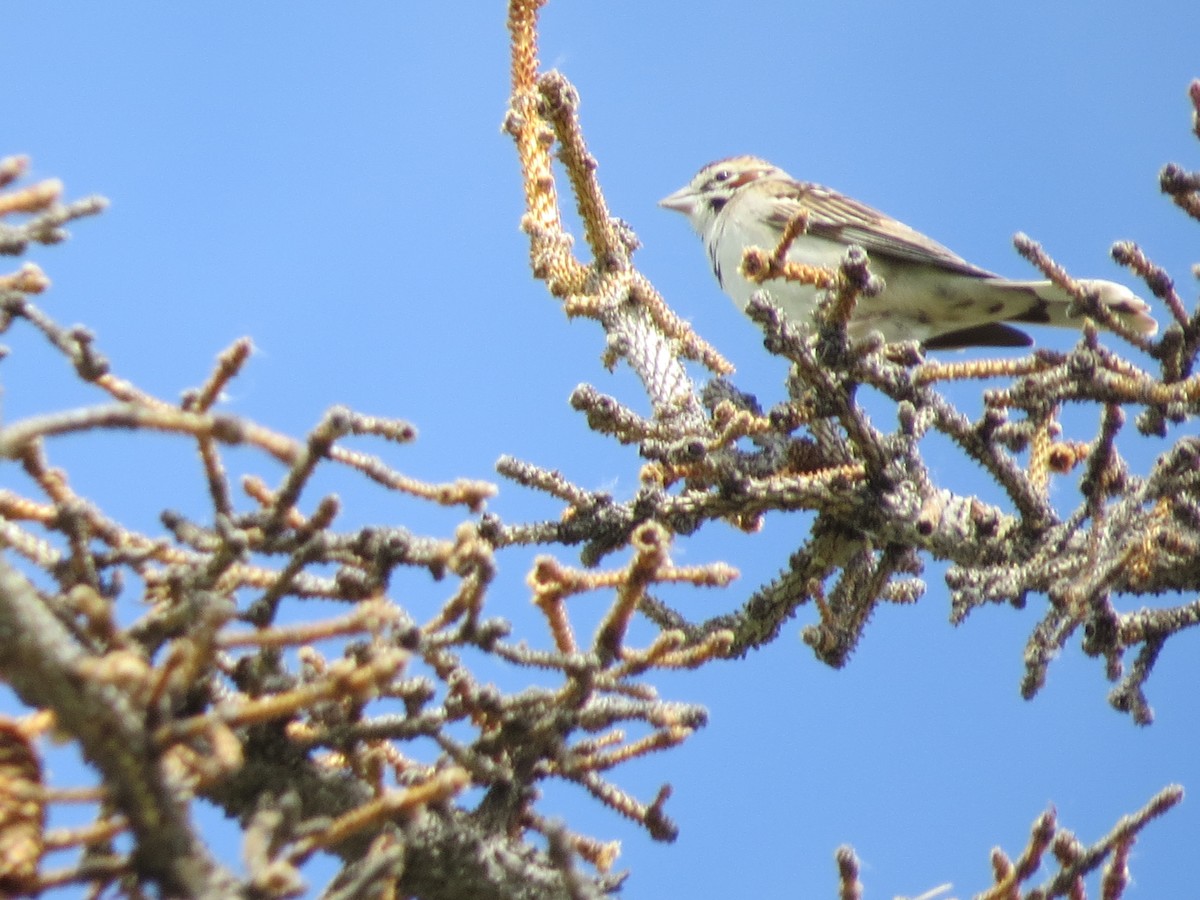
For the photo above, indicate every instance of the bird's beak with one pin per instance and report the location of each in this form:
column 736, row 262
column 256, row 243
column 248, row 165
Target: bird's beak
column 683, row 200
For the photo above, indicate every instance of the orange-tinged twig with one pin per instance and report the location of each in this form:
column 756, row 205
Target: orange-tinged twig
column 22, row 807
column 438, row 788
column 29, row 279
column 229, row 365
column 12, row 168
column 935, row 371
column 34, row 198
column 370, row 616
column 760, row 266
column 345, row 679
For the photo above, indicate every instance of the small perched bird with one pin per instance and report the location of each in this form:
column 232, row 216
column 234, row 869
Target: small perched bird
column 931, row 294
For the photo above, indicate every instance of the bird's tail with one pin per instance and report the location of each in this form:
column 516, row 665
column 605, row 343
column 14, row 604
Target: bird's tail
column 1053, row 302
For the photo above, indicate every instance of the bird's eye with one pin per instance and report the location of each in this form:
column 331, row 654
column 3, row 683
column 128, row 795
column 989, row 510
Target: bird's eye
column 722, row 175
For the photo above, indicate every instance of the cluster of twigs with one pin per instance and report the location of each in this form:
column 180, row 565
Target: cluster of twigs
column 1073, row 861
column 878, row 510
column 211, row 692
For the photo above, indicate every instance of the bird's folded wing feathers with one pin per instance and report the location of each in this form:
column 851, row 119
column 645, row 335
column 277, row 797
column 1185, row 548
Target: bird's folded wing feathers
column 836, row 217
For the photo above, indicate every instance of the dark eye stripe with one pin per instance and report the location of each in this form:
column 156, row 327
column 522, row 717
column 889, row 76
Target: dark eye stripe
column 728, row 180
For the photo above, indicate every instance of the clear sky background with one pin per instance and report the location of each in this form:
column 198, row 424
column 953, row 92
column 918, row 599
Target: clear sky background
column 331, row 180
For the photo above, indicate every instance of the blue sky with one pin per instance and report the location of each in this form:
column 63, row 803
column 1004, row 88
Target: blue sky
column 333, row 183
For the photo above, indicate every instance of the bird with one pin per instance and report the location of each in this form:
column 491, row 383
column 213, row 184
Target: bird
column 931, row 294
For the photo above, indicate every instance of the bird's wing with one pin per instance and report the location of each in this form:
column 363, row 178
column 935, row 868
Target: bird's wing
column 839, row 218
